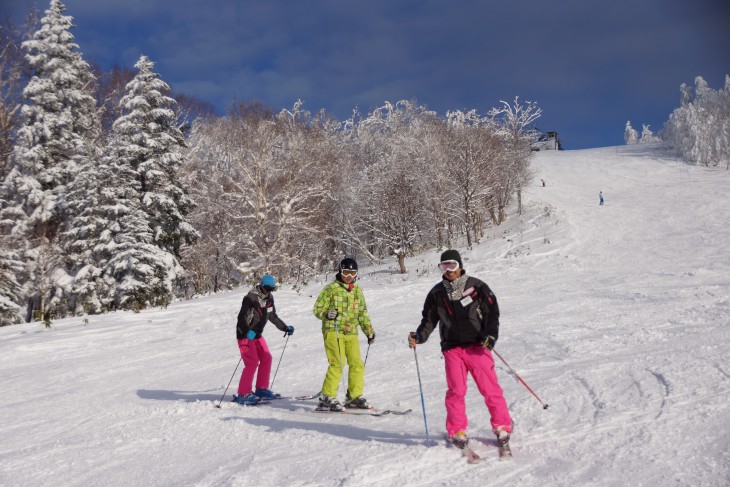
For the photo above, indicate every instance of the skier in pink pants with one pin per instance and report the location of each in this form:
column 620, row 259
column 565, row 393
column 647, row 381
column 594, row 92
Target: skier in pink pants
column 257, row 308
column 467, row 314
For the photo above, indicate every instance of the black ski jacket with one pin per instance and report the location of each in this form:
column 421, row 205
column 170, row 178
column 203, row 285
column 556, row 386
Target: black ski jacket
column 464, row 322
column 256, row 309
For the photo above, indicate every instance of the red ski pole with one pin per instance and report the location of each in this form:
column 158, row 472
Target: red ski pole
column 544, row 406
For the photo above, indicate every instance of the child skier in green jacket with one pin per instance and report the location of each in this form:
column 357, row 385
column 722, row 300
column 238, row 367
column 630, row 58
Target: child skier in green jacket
column 341, row 307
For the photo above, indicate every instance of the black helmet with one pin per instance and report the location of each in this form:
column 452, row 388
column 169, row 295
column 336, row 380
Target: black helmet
column 348, row 264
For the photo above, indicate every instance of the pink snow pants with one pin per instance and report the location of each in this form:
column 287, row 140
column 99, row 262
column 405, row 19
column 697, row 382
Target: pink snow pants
column 479, row 362
column 255, row 354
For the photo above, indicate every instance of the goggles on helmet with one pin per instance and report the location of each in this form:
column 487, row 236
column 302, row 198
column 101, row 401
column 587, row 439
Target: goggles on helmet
column 449, row 266
column 269, row 289
column 348, row 273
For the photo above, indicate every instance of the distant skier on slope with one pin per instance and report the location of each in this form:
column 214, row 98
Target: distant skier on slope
column 341, row 307
column 257, row 308
column 467, row 314
column 600, row 198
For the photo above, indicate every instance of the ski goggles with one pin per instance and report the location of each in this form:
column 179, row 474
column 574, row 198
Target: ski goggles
column 448, row 266
column 269, row 289
column 348, row 273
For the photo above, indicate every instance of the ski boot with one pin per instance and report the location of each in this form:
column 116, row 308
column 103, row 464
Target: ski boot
column 327, row 403
column 459, row 440
column 249, row 399
column 266, row 394
column 358, row 403
column 503, row 435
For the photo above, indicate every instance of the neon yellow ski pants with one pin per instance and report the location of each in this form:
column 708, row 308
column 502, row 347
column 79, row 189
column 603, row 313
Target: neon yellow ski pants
column 341, row 349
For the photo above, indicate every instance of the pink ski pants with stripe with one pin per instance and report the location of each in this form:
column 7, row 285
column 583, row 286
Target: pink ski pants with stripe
column 479, row 362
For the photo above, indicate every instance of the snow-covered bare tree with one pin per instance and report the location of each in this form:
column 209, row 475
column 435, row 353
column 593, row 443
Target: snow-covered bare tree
column 700, row 128
column 647, row 136
column 59, row 132
column 265, row 183
column 631, row 136
column 111, row 88
column 388, row 202
column 513, row 124
column 12, row 70
column 151, row 143
column 472, row 148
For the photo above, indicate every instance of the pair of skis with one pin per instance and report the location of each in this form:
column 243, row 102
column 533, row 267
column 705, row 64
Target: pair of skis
column 367, row 412
column 296, row 398
column 352, row 411
column 362, row 412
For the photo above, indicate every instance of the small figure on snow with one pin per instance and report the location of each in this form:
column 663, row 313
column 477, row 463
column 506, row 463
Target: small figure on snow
column 257, row 308
column 341, row 307
column 467, row 314
column 600, row 198
column 543, row 182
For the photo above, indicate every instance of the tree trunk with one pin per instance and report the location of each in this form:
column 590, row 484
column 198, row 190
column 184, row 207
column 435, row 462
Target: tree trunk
column 493, row 216
column 402, row 262
column 31, row 310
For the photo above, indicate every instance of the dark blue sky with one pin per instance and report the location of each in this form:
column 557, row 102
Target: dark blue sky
column 591, row 65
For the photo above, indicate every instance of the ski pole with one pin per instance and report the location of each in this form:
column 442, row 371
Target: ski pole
column 277, row 365
column 229, row 383
column 366, row 355
column 423, row 404
column 339, row 355
column 544, row 406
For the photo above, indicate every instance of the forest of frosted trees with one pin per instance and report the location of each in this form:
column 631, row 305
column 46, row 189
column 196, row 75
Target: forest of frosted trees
column 118, row 193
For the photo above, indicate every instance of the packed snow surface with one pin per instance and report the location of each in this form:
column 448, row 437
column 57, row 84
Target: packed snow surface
column 617, row 316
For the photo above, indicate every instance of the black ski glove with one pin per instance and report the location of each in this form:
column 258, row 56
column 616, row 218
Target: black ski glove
column 371, row 338
column 489, row 342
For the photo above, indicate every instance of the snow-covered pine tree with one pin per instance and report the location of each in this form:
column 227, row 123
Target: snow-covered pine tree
column 58, row 133
column 140, row 273
column 150, row 142
column 10, row 290
column 631, row 136
column 110, row 243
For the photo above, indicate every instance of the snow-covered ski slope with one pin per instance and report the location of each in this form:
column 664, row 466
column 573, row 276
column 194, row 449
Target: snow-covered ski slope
column 617, row 316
